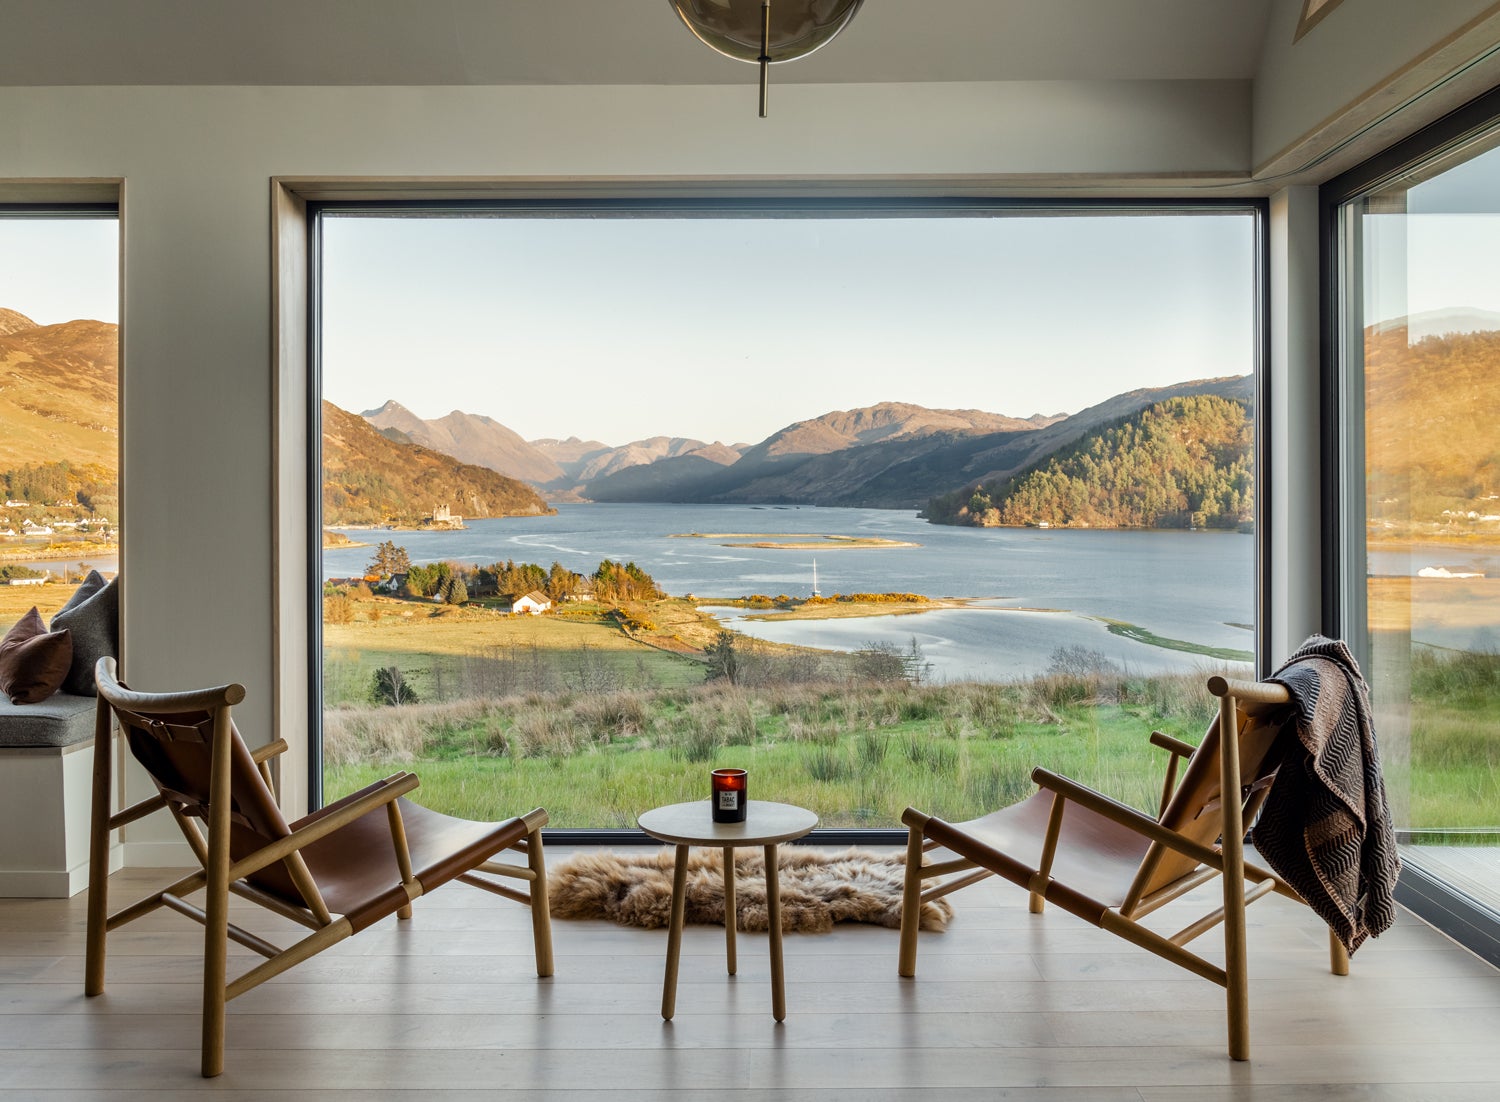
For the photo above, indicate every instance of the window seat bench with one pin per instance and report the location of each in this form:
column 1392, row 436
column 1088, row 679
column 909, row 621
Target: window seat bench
column 46, row 773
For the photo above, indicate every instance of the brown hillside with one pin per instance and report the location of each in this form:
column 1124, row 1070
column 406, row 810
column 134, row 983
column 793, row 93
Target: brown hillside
column 13, row 321
column 875, row 424
column 59, row 392
column 1430, row 411
column 637, row 453
column 371, row 479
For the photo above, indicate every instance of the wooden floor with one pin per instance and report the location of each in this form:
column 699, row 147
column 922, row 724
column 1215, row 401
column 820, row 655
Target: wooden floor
column 1005, row 1005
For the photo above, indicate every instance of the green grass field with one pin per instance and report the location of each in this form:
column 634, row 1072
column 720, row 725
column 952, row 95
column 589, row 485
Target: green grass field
column 859, row 754
column 598, row 717
column 596, row 737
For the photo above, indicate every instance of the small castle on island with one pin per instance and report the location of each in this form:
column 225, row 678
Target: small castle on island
column 442, row 517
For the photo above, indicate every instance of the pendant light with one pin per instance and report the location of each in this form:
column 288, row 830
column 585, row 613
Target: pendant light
column 765, row 32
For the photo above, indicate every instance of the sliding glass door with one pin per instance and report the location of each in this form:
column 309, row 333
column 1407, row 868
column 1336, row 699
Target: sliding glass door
column 1419, row 384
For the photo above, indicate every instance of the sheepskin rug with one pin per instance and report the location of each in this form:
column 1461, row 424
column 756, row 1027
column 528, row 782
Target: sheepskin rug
column 818, row 888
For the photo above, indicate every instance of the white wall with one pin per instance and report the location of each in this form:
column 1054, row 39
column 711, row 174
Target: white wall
column 1292, row 422
column 1362, row 47
column 197, row 417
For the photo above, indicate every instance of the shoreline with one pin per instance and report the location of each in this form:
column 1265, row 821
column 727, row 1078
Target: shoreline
column 793, row 541
column 53, row 552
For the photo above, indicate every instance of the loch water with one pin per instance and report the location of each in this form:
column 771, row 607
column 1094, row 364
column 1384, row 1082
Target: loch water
column 1033, row 590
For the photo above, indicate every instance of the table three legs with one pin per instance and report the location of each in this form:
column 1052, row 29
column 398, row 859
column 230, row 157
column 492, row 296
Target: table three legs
column 674, row 933
column 731, row 915
column 679, row 909
column 773, row 917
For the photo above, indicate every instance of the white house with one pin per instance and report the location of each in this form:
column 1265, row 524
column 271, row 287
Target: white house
column 535, row 602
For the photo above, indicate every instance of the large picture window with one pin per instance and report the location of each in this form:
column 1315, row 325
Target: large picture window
column 887, row 504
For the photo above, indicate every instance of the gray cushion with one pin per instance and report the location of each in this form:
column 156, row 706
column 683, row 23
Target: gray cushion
column 60, row 720
column 92, row 614
column 92, row 583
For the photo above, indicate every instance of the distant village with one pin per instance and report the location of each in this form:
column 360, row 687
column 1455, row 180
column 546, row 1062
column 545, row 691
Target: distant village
column 481, row 587
column 94, row 527
column 29, row 530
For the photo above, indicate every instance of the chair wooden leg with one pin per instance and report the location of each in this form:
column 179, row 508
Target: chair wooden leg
column 1237, row 1004
column 1236, row 966
column 541, row 915
column 1338, row 956
column 99, row 832
column 216, row 902
column 911, row 904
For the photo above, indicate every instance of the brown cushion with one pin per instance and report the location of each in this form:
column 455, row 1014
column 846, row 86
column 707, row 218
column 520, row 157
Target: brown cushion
column 33, row 662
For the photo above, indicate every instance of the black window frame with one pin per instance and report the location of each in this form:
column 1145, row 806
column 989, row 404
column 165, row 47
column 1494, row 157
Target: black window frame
column 1462, row 918
column 767, row 207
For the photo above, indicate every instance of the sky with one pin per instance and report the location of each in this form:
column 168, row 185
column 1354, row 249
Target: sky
column 728, row 329
column 617, row 329
column 1437, row 250
column 60, row 269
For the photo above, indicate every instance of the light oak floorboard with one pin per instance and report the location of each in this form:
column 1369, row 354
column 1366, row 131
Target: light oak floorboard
column 1005, row 1005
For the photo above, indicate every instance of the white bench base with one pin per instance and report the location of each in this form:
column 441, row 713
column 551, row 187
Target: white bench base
column 44, row 821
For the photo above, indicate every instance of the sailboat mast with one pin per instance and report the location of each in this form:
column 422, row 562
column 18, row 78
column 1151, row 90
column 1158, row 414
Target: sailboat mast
column 815, row 578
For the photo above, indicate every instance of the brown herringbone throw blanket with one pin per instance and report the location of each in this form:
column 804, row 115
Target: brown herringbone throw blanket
column 817, row 889
column 1326, row 828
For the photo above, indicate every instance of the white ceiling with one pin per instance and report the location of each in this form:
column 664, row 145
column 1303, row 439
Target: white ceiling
column 416, row 42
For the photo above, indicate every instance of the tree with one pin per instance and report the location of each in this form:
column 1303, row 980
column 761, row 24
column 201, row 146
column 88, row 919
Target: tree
column 421, row 581
column 453, row 590
column 561, row 582
column 723, row 659
column 389, row 559
column 389, row 687
column 616, row 584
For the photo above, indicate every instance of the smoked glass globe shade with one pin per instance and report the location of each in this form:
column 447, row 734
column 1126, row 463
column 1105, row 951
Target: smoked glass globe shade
column 733, row 27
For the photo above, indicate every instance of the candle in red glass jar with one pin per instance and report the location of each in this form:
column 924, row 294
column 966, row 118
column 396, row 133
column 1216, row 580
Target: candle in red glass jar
column 729, row 795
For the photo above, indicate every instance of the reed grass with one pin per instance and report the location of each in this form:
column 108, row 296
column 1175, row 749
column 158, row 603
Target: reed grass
column 860, row 751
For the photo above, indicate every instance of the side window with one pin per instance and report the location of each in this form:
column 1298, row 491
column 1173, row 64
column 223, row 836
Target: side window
column 1420, row 307
column 59, row 418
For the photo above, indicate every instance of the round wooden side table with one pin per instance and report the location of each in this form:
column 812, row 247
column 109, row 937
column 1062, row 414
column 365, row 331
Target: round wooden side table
column 691, row 824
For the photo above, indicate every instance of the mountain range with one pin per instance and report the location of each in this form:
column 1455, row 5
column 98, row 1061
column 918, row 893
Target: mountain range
column 663, row 468
column 59, row 386
column 560, row 468
column 1429, row 382
column 890, row 455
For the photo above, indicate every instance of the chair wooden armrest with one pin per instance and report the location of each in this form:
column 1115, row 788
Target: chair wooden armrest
column 1126, row 816
column 1180, row 751
column 263, row 754
column 384, row 792
column 1174, row 746
column 268, row 751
